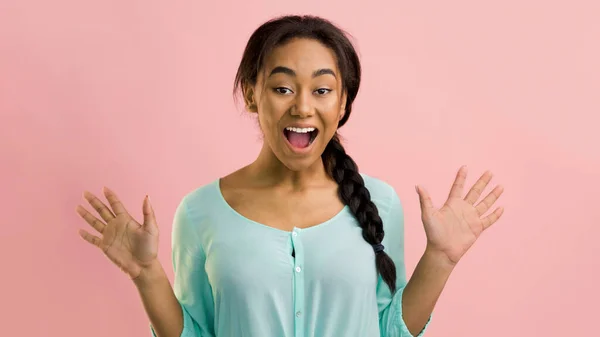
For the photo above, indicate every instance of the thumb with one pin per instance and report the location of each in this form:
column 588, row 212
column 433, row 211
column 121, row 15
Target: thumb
column 424, row 200
column 149, row 217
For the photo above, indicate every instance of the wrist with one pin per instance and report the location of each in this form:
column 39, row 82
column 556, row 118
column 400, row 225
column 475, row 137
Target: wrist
column 439, row 259
column 149, row 274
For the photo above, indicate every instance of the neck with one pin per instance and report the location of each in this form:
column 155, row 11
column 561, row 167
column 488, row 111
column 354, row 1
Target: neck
column 269, row 170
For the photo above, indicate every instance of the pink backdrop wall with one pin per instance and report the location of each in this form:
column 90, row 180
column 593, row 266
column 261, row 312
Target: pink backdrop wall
column 137, row 96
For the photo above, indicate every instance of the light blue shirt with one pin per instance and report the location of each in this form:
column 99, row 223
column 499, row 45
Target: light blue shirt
column 235, row 277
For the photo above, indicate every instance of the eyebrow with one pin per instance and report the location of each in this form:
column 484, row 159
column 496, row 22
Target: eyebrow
column 288, row 71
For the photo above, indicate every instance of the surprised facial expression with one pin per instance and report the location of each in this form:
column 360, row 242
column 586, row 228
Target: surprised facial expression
column 299, row 101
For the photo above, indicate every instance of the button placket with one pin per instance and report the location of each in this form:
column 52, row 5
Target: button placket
column 298, row 275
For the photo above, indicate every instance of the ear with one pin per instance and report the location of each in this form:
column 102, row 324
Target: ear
column 249, row 99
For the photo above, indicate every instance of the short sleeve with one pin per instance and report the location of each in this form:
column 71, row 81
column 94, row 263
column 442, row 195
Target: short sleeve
column 191, row 285
column 391, row 321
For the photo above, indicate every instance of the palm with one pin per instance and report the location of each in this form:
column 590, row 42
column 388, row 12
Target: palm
column 127, row 243
column 455, row 227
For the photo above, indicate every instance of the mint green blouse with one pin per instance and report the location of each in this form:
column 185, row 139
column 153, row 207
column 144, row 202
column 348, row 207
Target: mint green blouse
column 235, row 277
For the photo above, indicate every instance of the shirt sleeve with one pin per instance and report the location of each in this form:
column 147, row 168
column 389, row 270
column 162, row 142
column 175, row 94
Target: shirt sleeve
column 391, row 321
column 191, row 285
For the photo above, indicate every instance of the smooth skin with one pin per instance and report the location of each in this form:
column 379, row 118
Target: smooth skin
column 296, row 183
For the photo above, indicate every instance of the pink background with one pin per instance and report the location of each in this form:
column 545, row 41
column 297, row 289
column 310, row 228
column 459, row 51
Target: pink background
column 136, row 95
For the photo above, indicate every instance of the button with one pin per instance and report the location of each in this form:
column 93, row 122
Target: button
column 298, row 313
column 298, row 269
column 294, row 234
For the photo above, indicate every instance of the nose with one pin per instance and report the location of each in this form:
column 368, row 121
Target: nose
column 302, row 105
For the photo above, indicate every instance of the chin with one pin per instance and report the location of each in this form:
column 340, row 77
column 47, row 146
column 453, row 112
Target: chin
column 299, row 161
column 299, row 164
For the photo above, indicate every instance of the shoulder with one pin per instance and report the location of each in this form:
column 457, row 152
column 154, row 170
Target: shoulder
column 379, row 189
column 196, row 205
column 203, row 196
column 377, row 185
column 193, row 217
column 383, row 194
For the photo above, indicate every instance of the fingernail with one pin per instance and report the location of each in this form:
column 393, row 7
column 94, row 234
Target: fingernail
column 417, row 188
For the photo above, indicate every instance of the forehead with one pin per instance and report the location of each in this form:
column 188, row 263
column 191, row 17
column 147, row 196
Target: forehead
column 304, row 56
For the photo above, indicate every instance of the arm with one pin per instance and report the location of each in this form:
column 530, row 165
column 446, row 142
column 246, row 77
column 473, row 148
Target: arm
column 159, row 301
column 451, row 230
column 186, row 309
column 424, row 289
column 407, row 311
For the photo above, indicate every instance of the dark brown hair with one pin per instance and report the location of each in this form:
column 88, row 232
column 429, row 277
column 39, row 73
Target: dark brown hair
column 339, row 165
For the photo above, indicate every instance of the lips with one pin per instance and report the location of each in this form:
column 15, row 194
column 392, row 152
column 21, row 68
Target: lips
column 300, row 137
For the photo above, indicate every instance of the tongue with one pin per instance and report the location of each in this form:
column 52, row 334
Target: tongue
column 299, row 139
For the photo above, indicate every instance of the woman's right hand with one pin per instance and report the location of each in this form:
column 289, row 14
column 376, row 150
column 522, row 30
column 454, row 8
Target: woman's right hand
column 128, row 244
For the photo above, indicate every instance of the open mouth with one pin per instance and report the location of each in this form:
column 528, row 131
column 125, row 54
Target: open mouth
column 300, row 137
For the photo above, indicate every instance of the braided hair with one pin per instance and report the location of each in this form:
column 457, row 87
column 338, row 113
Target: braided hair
column 352, row 192
column 338, row 164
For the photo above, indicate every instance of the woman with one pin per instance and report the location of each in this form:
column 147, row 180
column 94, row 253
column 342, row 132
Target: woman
column 297, row 243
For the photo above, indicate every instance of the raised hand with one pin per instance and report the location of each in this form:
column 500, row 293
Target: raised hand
column 452, row 229
column 128, row 244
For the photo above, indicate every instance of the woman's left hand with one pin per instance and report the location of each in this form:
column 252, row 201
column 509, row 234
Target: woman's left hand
column 454, row 228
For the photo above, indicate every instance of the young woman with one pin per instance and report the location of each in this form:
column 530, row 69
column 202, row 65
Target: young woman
column 298, row 242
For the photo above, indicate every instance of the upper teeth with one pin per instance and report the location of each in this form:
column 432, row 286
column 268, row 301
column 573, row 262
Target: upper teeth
column 300, row 130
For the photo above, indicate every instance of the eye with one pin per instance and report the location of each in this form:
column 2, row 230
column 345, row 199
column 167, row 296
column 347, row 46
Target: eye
column 283, row 90
column 322, row 91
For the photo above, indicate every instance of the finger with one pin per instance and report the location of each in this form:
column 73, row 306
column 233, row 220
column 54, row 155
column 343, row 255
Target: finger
column 459, row 183
column 478, row 187
column 99, row 206
column 114, row 201
column 149, row 217
column 485, row 204
column 92, row 220
column 90, row 238
column 424, row 200
column 492, row 218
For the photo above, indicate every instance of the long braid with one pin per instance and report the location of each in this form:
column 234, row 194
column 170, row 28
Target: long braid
column 352, row 192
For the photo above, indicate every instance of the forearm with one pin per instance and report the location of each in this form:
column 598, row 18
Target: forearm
column 160, row 303
column 424, row 289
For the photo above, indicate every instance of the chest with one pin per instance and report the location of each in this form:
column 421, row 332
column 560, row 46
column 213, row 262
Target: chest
column 332, row 257
column 287, row 211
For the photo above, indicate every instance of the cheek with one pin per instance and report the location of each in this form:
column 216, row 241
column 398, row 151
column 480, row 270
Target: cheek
column 331, row 112
column 269, row 115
